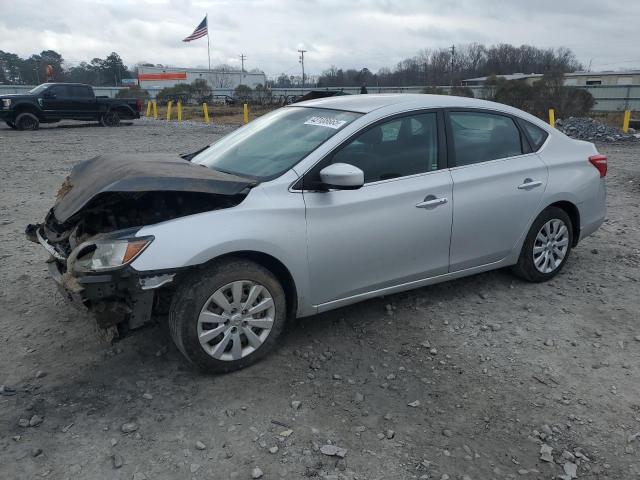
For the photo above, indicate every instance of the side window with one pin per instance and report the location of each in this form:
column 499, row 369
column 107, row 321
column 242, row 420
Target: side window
column 536, row 134
column 480, row 137
column 80, row 92
column 403, row 146
column 60, row 91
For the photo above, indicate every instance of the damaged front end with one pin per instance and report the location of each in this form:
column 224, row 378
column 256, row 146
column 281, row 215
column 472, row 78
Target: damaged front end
column 97, row 276
column 90, row 233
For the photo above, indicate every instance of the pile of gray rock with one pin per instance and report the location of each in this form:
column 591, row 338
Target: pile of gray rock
column 589, row 129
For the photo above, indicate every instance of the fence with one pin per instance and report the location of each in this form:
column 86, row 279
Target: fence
column 609, row 98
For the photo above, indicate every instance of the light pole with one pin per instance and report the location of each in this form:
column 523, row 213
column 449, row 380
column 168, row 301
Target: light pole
column 301, row 60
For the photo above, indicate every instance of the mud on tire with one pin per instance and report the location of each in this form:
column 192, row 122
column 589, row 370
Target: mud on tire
column 195, row 290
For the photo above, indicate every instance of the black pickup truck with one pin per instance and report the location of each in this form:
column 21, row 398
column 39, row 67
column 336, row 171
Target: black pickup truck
column 52, row 102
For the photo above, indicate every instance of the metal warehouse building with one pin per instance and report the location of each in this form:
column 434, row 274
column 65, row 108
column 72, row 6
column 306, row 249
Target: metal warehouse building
column 161, row 77
column 576, row 79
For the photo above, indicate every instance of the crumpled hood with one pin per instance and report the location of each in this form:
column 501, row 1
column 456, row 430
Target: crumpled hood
column 140, row 173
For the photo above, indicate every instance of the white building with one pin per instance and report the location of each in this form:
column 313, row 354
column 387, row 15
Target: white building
column 161, row 77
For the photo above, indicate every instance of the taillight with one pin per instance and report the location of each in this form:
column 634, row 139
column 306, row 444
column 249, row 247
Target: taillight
column 600, row 162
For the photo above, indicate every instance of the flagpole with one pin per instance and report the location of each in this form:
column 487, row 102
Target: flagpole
column 208, row 47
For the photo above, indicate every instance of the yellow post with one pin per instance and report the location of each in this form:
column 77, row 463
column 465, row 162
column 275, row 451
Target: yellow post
column 552, row 118
column 169, row 109
column 155, row 110
column 625, row 121
column 245, row 112
column 205, row 110
column 149, row 108
column 179, row 110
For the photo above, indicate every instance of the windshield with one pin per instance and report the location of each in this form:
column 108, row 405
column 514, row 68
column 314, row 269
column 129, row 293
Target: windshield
column 272, row 144
column 39, row 88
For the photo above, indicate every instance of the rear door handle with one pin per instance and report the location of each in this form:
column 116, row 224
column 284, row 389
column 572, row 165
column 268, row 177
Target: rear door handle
column 431, row 201
column 529, row 184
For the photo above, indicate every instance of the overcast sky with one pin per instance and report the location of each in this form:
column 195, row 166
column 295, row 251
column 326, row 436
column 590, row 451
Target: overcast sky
column 345, row 33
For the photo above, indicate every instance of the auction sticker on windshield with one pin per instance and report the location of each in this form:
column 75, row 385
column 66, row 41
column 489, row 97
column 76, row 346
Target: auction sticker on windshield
column 325, row 122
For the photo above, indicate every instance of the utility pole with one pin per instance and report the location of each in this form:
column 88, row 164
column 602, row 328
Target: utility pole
column 301, row 60
column 243, row 57
column 453, row 55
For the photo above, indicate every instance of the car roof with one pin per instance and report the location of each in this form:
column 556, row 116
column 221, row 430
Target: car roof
column 365, row 103
column 369, row 102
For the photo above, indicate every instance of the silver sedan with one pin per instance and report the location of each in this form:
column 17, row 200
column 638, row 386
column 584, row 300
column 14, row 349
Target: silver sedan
column 323, row 204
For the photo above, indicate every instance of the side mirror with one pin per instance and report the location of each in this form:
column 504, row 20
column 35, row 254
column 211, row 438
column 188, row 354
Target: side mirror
column 342, row 176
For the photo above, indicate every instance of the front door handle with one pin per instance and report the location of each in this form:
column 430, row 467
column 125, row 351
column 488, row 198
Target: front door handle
column 431, row 201
column 529, row 184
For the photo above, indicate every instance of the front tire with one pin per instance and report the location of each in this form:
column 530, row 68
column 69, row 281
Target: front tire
column 27, row 121
column 229, row 316
column 547, row 246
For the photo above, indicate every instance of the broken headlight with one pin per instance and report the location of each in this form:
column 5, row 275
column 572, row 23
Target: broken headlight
column 108, row 253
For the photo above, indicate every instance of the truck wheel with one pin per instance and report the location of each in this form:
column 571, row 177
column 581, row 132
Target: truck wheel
column 12, row 125
column 229, row 316
column 27, row 121
column 110, row 119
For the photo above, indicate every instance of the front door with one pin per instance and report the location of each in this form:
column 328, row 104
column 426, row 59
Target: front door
column 396, row 228
column 57, row 102
column 498, row 185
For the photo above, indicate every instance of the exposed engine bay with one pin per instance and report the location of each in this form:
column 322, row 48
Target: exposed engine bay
column 108, row 196
column 113, row 211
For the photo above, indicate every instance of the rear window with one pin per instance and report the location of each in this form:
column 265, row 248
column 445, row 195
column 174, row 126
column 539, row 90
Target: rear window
column 79, row 91
column 537, row 136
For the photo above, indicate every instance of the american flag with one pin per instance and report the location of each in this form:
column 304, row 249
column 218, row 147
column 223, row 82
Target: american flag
column 199, row 32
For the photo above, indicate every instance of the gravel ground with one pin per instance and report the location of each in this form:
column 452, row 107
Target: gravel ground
column 471, row 379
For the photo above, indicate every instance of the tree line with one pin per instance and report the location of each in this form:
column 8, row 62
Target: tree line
column 99, row 72
column 107, row 71
column 429, row 67
column 449, row 66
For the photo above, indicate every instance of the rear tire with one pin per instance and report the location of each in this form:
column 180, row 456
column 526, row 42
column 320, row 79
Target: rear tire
column 221, row 340
column 110, row 119
column 12, row 125
column 27, row 121
column 547, row 246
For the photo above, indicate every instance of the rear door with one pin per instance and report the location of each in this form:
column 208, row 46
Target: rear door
column 396, row 228
column 498, row 185
column 83, row 101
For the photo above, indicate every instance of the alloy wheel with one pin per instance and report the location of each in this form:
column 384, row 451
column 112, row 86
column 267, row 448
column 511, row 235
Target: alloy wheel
column 550, row 246
column 236, row 320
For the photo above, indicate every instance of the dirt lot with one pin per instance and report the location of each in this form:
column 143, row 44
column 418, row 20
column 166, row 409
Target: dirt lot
column 463, row 380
